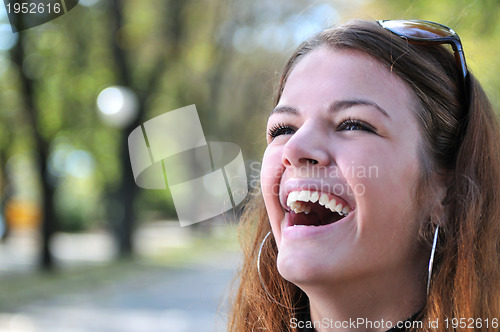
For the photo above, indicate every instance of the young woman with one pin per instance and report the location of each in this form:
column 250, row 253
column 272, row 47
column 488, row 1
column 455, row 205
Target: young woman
column 380, row 205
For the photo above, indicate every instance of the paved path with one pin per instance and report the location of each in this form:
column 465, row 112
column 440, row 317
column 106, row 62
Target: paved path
column 188, row 299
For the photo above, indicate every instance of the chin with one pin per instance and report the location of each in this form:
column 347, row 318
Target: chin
column 301, row 268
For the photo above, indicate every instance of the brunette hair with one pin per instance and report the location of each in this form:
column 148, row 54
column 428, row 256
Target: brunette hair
column 460, row 139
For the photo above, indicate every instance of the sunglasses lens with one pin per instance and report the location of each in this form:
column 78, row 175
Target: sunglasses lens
column 418, row 29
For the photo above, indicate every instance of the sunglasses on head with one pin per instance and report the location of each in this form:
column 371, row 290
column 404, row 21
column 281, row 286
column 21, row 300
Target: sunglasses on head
column 430, row 33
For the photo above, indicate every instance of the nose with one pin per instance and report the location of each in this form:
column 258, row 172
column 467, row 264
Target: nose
column 307, row 146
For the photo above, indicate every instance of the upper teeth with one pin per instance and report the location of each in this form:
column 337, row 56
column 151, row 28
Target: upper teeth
column 296, row 200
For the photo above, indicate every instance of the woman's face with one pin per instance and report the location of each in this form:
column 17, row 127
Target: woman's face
column 343, row 137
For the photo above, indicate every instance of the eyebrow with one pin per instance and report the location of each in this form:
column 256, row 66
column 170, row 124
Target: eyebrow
column 334, row 107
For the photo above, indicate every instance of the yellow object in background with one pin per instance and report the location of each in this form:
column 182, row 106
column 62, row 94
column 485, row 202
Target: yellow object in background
column 22, row 214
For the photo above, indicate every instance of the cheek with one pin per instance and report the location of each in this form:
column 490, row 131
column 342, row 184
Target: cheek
column 271, row 172
column 270, row 177
column 384, row 185
column 386, row 211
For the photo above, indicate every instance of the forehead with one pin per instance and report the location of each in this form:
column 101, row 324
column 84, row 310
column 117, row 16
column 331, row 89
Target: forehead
column 325, row 75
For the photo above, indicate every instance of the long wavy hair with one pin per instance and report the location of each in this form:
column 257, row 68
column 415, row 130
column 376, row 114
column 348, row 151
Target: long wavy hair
column 460, row 141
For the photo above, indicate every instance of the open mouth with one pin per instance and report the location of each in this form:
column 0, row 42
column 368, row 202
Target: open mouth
column 313, row 208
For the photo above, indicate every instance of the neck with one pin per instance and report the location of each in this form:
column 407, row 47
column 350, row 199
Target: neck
column 373, row 305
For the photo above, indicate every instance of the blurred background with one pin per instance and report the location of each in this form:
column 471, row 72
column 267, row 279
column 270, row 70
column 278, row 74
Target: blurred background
column 82, row 247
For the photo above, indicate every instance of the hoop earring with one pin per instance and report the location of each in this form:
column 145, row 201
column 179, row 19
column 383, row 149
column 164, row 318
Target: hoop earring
column 431, row 259
column 262, row 280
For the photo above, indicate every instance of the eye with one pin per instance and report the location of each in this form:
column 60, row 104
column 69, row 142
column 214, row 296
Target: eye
column 352, row 124
column 280, row 129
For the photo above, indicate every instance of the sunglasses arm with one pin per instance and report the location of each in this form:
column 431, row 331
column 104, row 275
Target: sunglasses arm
column 460, row 57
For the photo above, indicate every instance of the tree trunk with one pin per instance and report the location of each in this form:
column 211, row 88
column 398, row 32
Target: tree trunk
column 49, row 218
column 121, row 210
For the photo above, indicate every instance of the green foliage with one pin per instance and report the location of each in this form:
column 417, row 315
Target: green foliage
column 211, row 55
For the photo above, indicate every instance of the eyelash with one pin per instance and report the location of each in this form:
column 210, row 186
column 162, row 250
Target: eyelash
column 358, row 123
column 280, row 129
column 283, row 129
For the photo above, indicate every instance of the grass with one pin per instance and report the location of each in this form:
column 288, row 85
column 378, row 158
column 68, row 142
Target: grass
column 22, row 289
column 200, row 247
